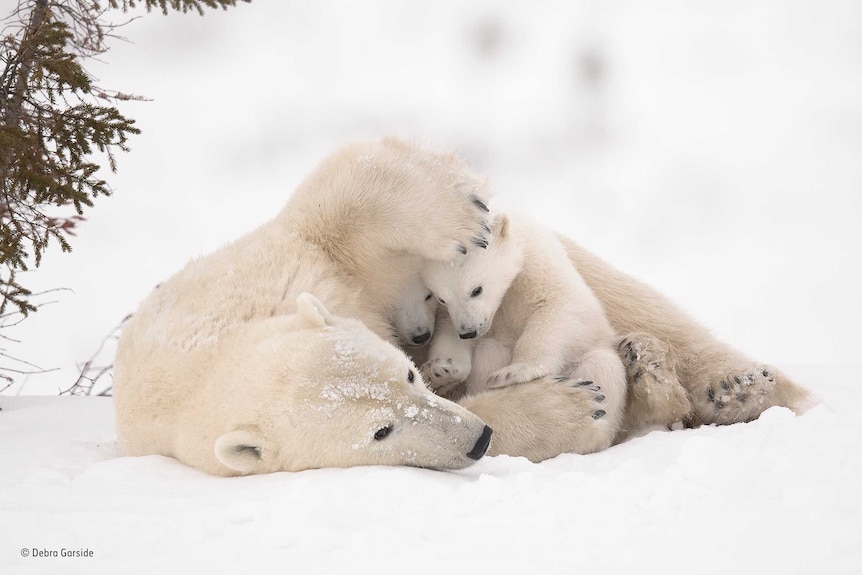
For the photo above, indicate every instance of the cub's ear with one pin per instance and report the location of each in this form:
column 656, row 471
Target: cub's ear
column 240, row 450
column 502, row 227
column 312, row 311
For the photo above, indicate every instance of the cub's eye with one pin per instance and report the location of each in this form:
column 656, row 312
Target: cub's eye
column 476, row 292
column 441, row 301
column 382, row 432
column 427, row 297
column 410, row 376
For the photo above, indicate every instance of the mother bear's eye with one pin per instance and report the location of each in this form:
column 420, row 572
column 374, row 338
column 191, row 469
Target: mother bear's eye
column 427, row 297
column 410, row 376
column 476, row 292
column 382, row 432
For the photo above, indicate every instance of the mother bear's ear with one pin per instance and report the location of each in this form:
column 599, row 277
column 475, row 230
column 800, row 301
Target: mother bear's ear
column 312, row 311
column 240, row 450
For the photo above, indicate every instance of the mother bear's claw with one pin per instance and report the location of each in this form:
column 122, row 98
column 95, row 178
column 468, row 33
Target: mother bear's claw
column 480, row 204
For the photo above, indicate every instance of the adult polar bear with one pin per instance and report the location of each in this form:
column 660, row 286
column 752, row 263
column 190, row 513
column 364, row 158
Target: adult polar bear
column 271, row 354
column 231, row 367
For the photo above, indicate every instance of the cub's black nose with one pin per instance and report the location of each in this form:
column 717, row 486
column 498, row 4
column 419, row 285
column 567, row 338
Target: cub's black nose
column 422, row 338
column 482, row 444
column 468, row 335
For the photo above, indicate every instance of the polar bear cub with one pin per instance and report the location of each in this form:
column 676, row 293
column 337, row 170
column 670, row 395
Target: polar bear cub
column 518, row 310
column 397, row 293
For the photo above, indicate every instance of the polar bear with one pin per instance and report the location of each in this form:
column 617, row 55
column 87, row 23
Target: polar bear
column 287, row 392
column 398, row 293
column 266, row 356
column 530, row 315
column 229, row 368
column 677, row 370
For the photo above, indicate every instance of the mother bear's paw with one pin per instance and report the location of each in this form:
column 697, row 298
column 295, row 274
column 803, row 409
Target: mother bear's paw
column 466, row 226
column 655, row 395
column 569, row 416
column 740, row 395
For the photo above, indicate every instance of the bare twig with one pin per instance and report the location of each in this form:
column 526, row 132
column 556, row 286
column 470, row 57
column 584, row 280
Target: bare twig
column 90, row 373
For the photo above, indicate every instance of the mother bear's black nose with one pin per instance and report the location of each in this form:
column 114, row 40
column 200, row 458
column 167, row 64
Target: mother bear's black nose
column 482, row 444
column 468, row 335
column 422, row 338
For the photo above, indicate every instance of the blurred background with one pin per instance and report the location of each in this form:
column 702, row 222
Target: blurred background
column 712, row 148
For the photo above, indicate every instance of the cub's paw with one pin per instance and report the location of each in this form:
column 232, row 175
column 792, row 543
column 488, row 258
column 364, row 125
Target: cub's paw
column 443, row 373
column 742, row 395
column 514, row 374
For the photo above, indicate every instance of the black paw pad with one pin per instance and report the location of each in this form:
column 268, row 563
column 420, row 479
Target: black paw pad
column 560, row 378
column 599, row 398
column 599, row 414
column 584, row 383
column 481, row 242
column 461, row 248
column 630, row 354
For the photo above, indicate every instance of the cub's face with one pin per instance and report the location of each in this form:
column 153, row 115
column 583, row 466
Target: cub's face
column 473, row 286
column 336, row 395
column 415, row 315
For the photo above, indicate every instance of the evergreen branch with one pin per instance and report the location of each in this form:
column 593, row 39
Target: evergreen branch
column 55, row 121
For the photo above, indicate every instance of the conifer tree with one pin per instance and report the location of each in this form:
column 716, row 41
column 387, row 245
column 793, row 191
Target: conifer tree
column 56, row 127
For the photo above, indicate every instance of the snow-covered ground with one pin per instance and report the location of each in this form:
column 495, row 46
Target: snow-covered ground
column 779, row 495
column 713, row 149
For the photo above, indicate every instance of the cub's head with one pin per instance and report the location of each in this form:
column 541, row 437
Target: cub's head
column 325, row 391
column 472, row 287
column 415, row 311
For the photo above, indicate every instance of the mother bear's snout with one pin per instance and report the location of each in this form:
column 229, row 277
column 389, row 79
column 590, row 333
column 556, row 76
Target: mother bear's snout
column 481, row 444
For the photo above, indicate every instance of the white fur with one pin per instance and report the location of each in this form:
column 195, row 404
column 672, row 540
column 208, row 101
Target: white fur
column 534, row 317
column 232, row 368
column 229, row 368
column 677, row 369
column 399, row 294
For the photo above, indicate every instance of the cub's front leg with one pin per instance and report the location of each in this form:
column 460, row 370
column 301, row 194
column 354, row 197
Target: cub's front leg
column 449, row 358
column 541, row 350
